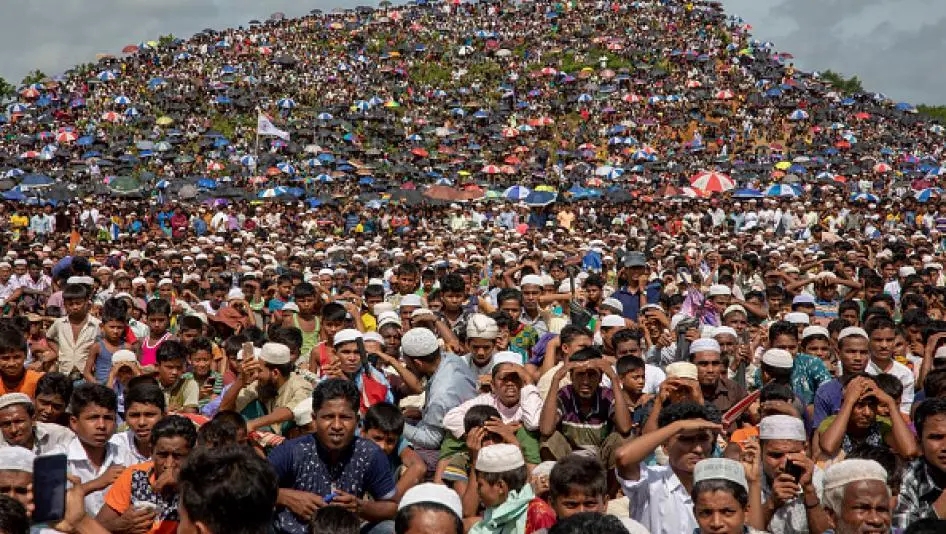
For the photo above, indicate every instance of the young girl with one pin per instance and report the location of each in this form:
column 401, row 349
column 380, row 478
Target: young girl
column 112, row 330
column 158, row 314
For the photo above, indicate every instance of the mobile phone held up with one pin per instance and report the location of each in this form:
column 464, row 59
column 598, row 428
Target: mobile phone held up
column 49, row 488
column 795, row 470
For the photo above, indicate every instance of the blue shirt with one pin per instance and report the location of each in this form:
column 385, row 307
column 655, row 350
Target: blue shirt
column 827, row 401
column 303, row 464
column 632, row 301
column 451, row 385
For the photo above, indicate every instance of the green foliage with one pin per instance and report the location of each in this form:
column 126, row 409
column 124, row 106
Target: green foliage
column 573, row 62
column 840, row 83
column 7, row 90
column 165, row 40
column 430, row 73
column 33, row 77
column 934, row 112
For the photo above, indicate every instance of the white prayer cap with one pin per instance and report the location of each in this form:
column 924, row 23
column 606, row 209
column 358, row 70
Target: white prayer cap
column 13, row 458
column 346, row 335
column 720, row 469
column 123, row 356
column 290, row 307
column 81, row 280
column 797, row 318
column 373, row 336
column 165, row 282
column 382, row 307
column 420, row 312
column 435, row 493
column 411, row 300
column 907, row 271
column 11, row 399
column 704, row 345
column 389, row 317
column 236, row 293
column 782, row 427
column 530, row 280
column 613, row 321
column 139, row 281
column 499, row 458
column 506, row 356
column 481, row 326
column 778, row 358
column 614, row 304
column 733, row 308
column 725, row 330
column 682, row 370
column 855, row 331
column 811, row 331
column 718, row 290
column 852, row 470
column 419, row 343
column 275, row 354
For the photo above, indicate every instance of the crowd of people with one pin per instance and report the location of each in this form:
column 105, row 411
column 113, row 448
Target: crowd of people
column 472, row 268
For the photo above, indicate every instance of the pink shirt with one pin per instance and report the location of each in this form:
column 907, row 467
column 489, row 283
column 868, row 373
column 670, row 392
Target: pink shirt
column 527, row 411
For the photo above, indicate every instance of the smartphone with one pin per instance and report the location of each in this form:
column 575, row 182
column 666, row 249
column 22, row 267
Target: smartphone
column 49, row 488
column 794, row 469
column 248, row 351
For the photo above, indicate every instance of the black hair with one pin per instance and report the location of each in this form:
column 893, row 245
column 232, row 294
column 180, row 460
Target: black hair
column 385, row 417
column 233, row 344
column 570, row 332
column 585, row 354
column 12, row 339
column 87, row 394
column 75, row 292
column 515, row 478
column 626, row 364
column 145, row 393
column 890, row 385
column 334, row 520
column 626, row 334
column 452, row 283
column 504, row 320
column 478, row 415
column 934, row 385
column 54, row 383
column 190, row 322
column 680, row 411
column 158, row 307
column 738, row 491
column 199, row 344
column 849, row 305
column 836, row 325
column 782, row 328
column 305, row 289
column 114, row 310
column 402, row 521
column 229, row 489
column 255, row 335
column 141, row 379
column 408, row 267
column 222, row 430
column 13, row 518
column 578, row 472
column 509, row 293
column 171, row 350
column 289, row 336
column 929, row 525
column 332, row 389
column 174, row 426
column 879, row 322
column 585, row 522
column 374, row 291
column 334, row 311
column 915, row 317
column 776, row 391
column 593, row 281
column 928, row 408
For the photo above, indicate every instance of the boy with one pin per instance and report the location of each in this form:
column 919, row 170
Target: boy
column 306, row 320
column 71, row 337
column 14, row 377
column 200, row 358
column 630, row 370
column 180, row 394
column 384, row 424
column 144, row 406
column 53, row 391
column 579, row 483
column 335, row 318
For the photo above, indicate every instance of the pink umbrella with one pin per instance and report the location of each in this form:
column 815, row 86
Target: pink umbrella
column 882, row 167
column 66, row 137
column 712, row 181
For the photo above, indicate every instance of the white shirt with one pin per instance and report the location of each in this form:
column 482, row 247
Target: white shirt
column 905, row 375
column 653, row 377
column 659, row 501
column 126, row 441
column 80, row 466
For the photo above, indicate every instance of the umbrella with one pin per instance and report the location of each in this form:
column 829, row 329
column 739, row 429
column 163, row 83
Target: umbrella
column 121, row 100
column 286, row 103
column 781, row 190
column 798, row 115
column 274, row 192
column 924, row 195
column 712, row 181
column 747, row 193
column 541, row 198
column 36, row 180
column 863, row 197
column 516, row 192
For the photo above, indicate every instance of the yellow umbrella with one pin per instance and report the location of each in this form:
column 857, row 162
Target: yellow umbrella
column 546, row 188
column 463, row 173
column 392, row 104
column 783, row 165
column 164, row 121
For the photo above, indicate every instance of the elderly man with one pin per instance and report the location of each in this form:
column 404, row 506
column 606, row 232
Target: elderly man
column 18, row 427
column 16, row 474
column 791, row 484
column 721, row 392
column 856, row 497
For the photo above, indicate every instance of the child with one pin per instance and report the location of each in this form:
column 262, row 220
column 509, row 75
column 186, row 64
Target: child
column 14, row 377
column 201, row 363
column 631, row 372
column 92, row 417
column 334, row 319
column 502, row 487
column 113, row 327
column 578, row 483
column 124, row 370
column 53, row 391
column 384, row 424
column 159, row 320
column 144, row 406
column 307, row 320
column 180, row 394
column 71, row 337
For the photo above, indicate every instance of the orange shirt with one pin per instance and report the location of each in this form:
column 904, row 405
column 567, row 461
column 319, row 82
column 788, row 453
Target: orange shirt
column 27, row 384
column 135, row 485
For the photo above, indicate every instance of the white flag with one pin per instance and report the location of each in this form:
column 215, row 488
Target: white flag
column 264, row 126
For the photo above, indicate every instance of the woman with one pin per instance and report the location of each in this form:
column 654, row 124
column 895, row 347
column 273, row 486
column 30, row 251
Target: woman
column 500, row 482
column 149, row 489
column 724, row 497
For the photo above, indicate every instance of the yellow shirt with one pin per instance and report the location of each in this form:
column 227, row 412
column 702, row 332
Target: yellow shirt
column 19, row 221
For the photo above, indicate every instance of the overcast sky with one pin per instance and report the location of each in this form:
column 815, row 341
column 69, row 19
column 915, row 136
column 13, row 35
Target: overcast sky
column 895, row 46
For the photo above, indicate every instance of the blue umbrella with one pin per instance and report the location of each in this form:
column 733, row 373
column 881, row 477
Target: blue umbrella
column 163, row 184
column 366, row 180
column 286, row 167
column 286, row 103
column 207, row 183
column 747, row 193
column 863, row 197
column 541, row 198
column 324, row 116
column 924, row 195
column 85, row 140
column 273, row 192
column 14, row 195
column 248, row 161
column 516, row 192
column 324, row 178
column 121, row 100
column 798, row 115
column 222, row 99
column 782, row 190
column 36, row 180
column 106, row 76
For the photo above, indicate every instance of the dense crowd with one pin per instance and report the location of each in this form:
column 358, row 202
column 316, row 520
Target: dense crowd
column 472, row 268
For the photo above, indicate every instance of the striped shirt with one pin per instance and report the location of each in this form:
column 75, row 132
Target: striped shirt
column 588, row 428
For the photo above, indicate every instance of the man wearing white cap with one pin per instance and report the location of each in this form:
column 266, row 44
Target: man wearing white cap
column 269, row 388
column 450, row 382
column 718, row 390
column 348, row 364
column 431, row 508
column 792, row 483
column 481, row 334
column 20, row 429
column 856, row 497
column 16, row 474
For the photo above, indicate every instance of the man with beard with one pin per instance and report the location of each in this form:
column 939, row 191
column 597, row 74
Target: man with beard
column 267, row 390
column 705, row 354
column 20, row 429
column 333, row 467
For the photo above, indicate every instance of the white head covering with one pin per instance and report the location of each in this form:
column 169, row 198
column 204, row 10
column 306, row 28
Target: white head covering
column 13, row 458
column 11, row 399
column 705, row 345
column 346, row 335
column 724, row 330
column 419, row 343
column 275, row 354
column 778, row 358
column 720, row 469
column 782, row 427
column 507, row 356
column 480, row 326
column 682, row 370
column 855, row 331
column 612, row 321
column 430, row 492
column 853, row 470
column 499, row 458
column 814, row 330
column 797, row 318
column 530, row 280
column 411, row 300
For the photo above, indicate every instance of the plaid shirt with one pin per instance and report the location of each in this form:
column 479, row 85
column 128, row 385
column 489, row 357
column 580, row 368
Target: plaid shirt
column 918, row 492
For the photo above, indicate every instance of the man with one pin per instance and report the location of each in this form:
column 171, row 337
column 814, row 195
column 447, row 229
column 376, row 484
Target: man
column 224, row 490
column 882, row 332
column 481, row 334
column 333, row 467
column 853, row 352
column 16, row 474
column 633, row 289
column 372, row 385
column 790, row 504
column 718, row 390
column 18, row 428
column 450, row 382
column 857, row 497
column 921, row 495
column 267, row 389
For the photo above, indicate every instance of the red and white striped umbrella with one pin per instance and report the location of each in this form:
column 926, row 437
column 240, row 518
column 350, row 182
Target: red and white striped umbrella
column 66, row 137
column 713, row 181
column 882, row 167
column 725, row 94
